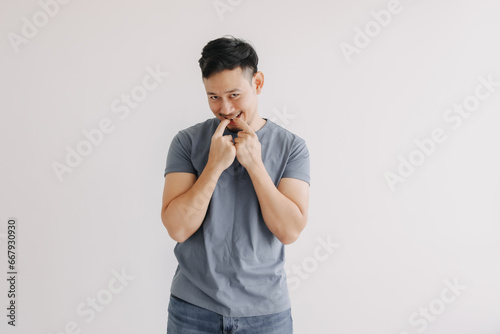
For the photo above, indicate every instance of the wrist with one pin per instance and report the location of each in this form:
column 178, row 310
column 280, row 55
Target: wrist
column 213, row 169
column 256, row 168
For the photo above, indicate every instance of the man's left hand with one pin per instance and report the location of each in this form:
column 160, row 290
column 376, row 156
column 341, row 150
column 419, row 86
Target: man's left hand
column 247, row 144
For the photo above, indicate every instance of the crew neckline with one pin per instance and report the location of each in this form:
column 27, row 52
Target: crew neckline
column 258, row 132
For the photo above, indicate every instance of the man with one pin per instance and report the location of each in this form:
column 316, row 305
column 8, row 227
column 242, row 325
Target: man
column 236, row 191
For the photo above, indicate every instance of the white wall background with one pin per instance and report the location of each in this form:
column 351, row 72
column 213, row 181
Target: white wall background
column 394, row 250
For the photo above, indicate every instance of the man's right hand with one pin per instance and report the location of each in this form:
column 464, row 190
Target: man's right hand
column 222, row 150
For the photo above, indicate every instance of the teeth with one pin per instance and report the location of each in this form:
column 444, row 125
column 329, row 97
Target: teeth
column 235, row 116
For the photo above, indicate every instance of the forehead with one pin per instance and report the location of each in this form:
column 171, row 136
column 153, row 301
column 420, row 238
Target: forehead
column 226, row 80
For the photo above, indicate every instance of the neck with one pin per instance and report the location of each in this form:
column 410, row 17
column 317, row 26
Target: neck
column 259, row 123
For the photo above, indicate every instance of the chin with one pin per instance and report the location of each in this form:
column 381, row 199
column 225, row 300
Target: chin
column 233, row 128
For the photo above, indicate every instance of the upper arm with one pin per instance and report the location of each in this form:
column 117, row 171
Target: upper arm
column 180, row 174
column 297, row 191
column 298, row 164
column 175, row 185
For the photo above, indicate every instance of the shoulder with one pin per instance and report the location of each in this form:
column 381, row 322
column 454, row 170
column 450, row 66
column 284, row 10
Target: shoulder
column 198, row 131
column 277, row 133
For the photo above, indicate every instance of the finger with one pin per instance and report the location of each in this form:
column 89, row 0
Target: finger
column 243, row 125
column 220, row 129
column 229, row 138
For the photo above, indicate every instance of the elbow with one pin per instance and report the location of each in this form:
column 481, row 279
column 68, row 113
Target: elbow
column 292, row 235
column 289, row 238
column 175, row 232
column 178, row 237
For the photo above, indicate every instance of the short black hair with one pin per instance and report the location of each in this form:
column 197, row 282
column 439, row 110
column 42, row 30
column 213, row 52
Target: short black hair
column 228, row 53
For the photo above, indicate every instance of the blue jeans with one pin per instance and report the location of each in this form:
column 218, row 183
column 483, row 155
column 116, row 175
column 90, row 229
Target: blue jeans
column 186, row 318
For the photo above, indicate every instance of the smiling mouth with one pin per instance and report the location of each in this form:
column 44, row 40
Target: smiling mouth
column 237, row 116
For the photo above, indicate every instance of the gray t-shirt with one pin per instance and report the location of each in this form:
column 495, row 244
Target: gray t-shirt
column 233, row 264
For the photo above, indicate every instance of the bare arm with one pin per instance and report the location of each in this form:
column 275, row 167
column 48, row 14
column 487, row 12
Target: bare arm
column 185, row 198
column 284, row 208
column 185, row 202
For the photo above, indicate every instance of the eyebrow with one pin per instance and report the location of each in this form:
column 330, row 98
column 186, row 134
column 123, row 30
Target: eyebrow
column 229, row 91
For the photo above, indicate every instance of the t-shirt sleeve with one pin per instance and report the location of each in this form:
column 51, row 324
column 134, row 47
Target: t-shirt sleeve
column 298, row 165
column 179, row 156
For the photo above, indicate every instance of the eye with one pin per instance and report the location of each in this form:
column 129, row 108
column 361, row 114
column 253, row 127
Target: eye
column 235, row 95
column 213, row 97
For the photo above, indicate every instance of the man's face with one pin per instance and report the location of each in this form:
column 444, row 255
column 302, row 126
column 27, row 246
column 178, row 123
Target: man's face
column 230, row 94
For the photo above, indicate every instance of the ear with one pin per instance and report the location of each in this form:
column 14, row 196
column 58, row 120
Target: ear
column 258, row 82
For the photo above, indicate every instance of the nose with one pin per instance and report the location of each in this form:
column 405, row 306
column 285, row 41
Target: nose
column 226, row 108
